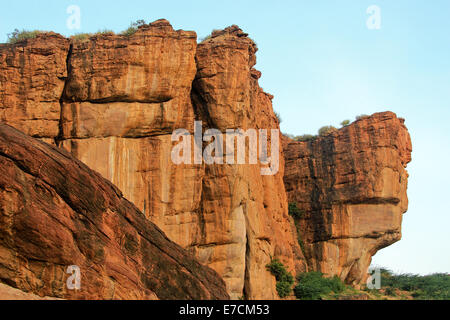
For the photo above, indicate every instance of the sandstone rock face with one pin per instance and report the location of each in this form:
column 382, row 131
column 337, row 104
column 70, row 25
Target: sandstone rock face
column 120, row 123
column 123, row 99
column 10, row 293
column 248, row 209
column 351, row 186
column 119, row 99
column 114, row 101
column 32, row 78
column 55, row 212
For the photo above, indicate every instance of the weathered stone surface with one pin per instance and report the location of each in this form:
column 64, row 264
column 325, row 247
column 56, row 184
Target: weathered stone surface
column 113, row 102
column 231, row 217
column 245, row 213
column 10, row 293
column 119, row 120
column 56, row 212
column 351, row 186
column 124, row 98
column 32, row 78
column 154, row 65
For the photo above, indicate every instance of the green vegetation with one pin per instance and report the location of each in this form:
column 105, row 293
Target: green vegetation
column 294, row 211
column 105, row 32
column 314, row 286
column 299, row 237
column 285, row 280
column 81, row 36
column 305, row 137
column 86, row 36
column 18, row 36
column 432, row 287
column 345, row 123
column 133, row 28
column 326, row 130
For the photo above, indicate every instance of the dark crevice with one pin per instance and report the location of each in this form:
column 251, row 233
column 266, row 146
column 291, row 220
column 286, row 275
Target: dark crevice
column 119, row 99
column 59, row 137
column 365, row 236
column 246, row 289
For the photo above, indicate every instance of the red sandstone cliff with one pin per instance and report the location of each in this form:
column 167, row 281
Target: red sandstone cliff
column 351, row 186
column 55, row 212
column 114, row 101
column 32, row 78
column 246, row 216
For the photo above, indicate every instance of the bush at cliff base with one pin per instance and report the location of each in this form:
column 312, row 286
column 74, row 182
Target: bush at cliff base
column 313, row 285
column 285, row 280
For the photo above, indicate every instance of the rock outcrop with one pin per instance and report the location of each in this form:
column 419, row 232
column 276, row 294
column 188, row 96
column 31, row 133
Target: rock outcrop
column 114, row 101
column 32, row 79
column 351, row 187
column 55, row 212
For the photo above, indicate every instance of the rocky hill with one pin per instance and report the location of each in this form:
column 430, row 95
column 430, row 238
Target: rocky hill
column 113, row 102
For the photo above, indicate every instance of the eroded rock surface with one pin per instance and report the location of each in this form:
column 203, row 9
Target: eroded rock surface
column 55, row 212
column 114, row 101
column 120, row 123
column 10, row 293
column 245, row 214
column 351, row 186
column 32, row 79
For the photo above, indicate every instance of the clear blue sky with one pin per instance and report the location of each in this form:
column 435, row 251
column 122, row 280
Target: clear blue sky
column 324, row 65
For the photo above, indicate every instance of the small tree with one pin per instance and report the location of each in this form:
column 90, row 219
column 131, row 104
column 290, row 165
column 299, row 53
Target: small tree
column 326, row 130
column 345, row 123
column 133, row 28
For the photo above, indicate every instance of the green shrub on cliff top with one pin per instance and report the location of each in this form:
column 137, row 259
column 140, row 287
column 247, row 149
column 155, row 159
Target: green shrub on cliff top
column 133, row 28
column 345, row 123
column 326, row 130
column 17, row 35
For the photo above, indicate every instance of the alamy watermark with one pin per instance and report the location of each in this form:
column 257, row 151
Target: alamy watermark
column 74, row 281
column 73, row 22
column 374, row 20
column 228, row 148
column 374, row 279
